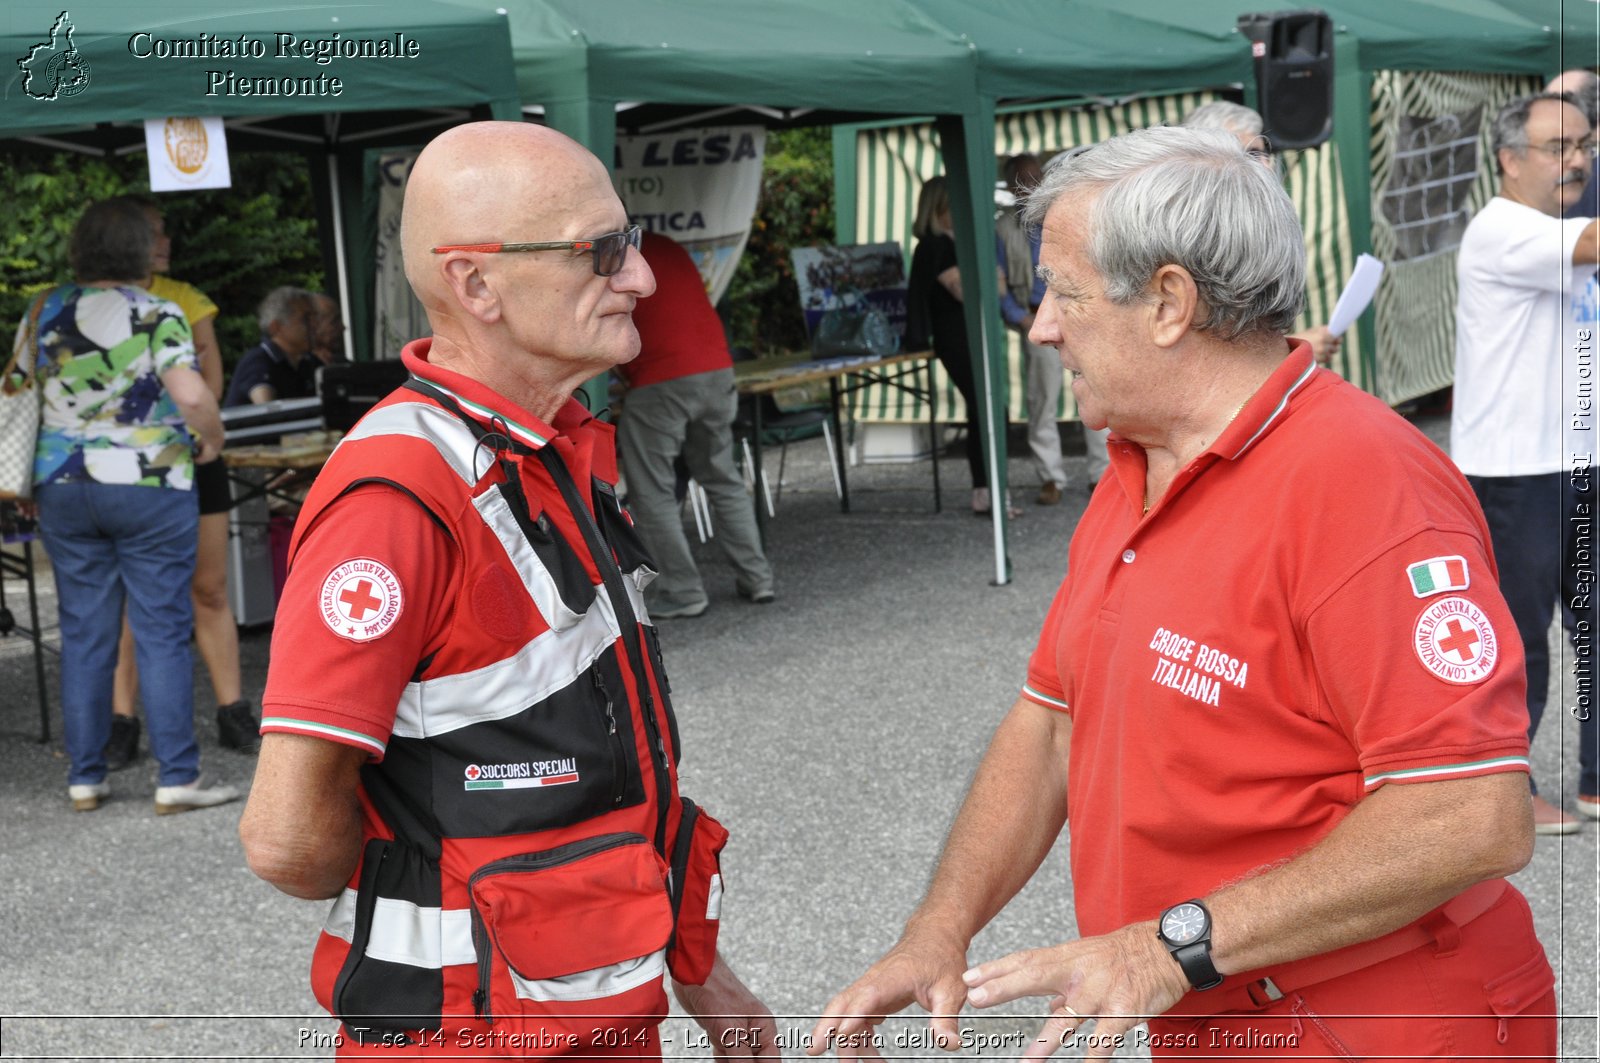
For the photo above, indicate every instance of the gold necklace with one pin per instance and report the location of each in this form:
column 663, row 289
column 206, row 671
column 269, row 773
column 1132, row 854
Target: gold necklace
column 1231, row 418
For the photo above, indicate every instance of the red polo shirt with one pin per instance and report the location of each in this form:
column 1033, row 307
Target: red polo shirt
column 680, row 333
column 1310, row 612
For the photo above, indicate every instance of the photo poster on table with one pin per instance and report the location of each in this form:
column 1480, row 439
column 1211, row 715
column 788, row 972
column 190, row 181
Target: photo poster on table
column 699, row 187
column 830, row 277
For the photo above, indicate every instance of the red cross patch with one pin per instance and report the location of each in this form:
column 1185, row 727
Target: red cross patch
column 360, row 600
column 1455, row 641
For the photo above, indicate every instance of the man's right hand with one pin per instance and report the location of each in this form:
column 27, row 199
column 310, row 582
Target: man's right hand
column 924, row 967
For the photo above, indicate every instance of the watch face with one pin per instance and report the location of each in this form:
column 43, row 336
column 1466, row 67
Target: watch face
column 1183, row 923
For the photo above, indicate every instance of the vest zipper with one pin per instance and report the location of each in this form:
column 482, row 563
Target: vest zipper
column 612, row 579
column 482, row 946
column 619, row 762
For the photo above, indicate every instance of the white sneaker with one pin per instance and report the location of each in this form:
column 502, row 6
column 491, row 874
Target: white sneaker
column 86, row 796
column 1548, row 819
column 170, row 799
column 1589, row 806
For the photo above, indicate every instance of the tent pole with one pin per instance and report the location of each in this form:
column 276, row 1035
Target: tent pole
column 966, row 143
column 339, row 251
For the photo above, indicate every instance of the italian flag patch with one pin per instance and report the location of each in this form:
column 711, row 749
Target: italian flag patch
column 1437, row 575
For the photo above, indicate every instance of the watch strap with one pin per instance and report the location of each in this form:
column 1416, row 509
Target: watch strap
column 1195, row 959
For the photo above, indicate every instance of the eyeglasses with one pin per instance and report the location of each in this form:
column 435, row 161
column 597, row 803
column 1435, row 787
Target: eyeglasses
column 1560, row 149
column 610, row 250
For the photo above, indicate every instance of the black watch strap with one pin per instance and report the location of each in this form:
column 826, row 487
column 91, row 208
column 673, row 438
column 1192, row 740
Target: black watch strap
column 1196, row 962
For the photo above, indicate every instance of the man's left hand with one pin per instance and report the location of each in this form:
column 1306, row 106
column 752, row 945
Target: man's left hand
column 1120, row 979
column 740, row 1027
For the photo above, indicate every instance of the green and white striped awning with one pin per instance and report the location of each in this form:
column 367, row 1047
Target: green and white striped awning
column 1415, row 306
column 1416, row 321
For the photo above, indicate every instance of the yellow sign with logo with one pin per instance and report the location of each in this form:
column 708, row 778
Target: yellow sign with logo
column 187, row 153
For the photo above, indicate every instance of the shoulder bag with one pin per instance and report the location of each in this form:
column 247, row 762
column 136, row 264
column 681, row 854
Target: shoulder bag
column 20, row 402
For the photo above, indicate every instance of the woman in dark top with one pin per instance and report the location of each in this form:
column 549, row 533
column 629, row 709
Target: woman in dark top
column 934, row 310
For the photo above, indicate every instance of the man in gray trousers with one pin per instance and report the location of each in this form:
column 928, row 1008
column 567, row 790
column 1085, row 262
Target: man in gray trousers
column 681, row 401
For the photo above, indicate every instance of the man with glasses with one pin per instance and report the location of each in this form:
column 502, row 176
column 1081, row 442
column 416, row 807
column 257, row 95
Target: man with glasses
column 1584, row 88
column 1523, row 424
column 468, row 736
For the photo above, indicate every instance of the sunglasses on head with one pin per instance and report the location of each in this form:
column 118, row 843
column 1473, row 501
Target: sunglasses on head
column 610, row 250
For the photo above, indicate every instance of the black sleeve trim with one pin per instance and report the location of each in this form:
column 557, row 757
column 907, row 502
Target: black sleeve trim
column 403, row 489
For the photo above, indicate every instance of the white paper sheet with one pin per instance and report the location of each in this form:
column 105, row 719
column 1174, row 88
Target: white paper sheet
column 1357, row 294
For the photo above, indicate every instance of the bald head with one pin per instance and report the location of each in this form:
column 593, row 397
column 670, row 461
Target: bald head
column 490, row 182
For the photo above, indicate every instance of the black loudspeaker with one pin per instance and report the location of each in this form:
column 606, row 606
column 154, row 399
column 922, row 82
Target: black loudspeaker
column 1294, row 75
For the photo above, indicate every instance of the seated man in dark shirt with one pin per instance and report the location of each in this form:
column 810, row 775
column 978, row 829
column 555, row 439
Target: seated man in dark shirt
column 270, row 370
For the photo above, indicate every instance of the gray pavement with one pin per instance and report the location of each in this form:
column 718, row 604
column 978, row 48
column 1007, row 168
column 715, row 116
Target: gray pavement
column 834, row 731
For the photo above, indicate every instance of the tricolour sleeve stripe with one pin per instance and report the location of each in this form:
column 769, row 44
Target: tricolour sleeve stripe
column 1446, row 771
column 1043, row 699
column 322, row 730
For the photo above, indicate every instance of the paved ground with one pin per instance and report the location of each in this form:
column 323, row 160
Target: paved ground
column 834, row 731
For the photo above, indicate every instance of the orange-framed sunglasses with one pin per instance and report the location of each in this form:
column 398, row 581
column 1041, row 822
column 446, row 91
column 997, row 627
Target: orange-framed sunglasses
column 610, row 250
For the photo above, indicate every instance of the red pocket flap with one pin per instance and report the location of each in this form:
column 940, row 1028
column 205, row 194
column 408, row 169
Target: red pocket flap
column 697, row 880
column 586, row 905
column 1512, row 992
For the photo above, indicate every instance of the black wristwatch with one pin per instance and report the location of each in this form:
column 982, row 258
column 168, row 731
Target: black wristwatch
column 1185, row 929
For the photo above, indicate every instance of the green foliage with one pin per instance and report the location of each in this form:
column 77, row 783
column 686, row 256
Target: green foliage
column 762, row 304
column 235, row 244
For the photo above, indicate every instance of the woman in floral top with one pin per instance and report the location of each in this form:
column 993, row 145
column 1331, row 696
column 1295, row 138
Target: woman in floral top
column 125, row 415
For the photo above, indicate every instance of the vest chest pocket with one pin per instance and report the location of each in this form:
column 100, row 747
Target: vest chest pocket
column 583, row 922
column 632, row 558
column 565, row 759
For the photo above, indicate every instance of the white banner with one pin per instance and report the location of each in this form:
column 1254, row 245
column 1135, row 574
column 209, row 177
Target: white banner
column 698, row 186
column 397, row 317
column 186, row 153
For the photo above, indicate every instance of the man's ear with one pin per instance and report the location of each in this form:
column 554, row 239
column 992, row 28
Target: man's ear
column 470, row 288
column 1174, row 300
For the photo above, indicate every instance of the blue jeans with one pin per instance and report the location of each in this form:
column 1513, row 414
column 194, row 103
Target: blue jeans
column 108, row 542
column 1534, row 523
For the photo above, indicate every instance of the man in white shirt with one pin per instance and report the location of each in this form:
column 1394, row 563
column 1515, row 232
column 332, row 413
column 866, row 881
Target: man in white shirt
column 1523, row 426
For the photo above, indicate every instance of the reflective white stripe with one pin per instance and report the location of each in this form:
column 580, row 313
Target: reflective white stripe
column 424, row 420
column 341, row 921
column 548, row 663
column 403, row 932
column 594, row 984
column 496, row 513
column 634, row 583
column 553, row 661
column 714, row 898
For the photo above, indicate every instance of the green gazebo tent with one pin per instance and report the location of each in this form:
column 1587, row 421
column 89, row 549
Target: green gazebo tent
column 592, row 67
column 1054, row 73
column 85, row 80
